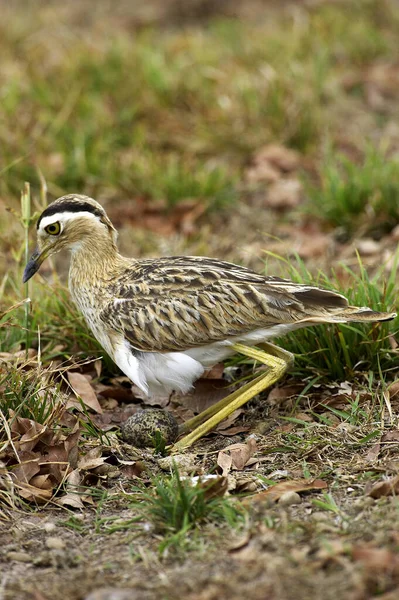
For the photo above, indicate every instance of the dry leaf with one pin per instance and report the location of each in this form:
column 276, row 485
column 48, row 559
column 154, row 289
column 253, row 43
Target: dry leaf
column 237, row 456
column 205, row 394
column 271, row 162
column 215, row 372
column 372, row 454
column 394, row 388
column 212, row 485
column 390, row 487
column 233, row 430
column 91, row 459
column 226, row 424
column 390, row 436
column 82, row 388
column 225, row 462
column 379, row 560
column 275, row 492
column 32, row 493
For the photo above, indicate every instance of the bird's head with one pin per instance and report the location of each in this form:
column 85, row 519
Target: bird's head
column 67, row 224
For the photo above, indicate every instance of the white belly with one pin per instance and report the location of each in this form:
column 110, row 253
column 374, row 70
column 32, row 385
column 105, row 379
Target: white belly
column 161, row 373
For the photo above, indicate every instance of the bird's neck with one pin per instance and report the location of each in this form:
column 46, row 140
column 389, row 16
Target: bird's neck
column 95, row 260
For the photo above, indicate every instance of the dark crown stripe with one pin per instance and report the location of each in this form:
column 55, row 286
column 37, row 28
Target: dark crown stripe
column 69, row 206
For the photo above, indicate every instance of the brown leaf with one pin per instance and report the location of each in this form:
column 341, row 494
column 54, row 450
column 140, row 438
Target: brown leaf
column 32, row 493
column 215, row 372
column 82, row 388
column 132, row 470
column 271, row 162
column 70, row 499
column 230, row 420
column 390, row 487
column 372, row 454
column 378, row 560
column 231, row 431
column 394, row 388
column 43, row 482
column 205, row 394
column 116, row 392
column 225, row 462
column 76, row 493
column 279, row 394
column 28, row 466
column 240, row 455
column 91, row 459
column 275, row 492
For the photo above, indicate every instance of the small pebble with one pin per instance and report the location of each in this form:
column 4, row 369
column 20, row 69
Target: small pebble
column 184, row 462
column 289, row 499
column 19, row 557
column 368, row 247
column 49, row 527
column 140, row 429
column 55, row 543
column 320, row 516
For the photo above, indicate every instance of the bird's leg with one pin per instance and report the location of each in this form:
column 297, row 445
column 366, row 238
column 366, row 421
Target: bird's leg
column 275, row 358
column 272, row 350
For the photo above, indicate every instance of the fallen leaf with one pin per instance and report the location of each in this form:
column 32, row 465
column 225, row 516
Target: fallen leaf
column 390, row 487
column 394, row 387
column 271, row 162
column 378, row 560
column 390, row 436
column 215, row 372
column 236, row 456
column 32, row 493
column 232, row 431
column 205, row 394
column 91, row 459
column 279, row 394
column 274, row 493
column 133, row 470
column 28, row 466
column 372, row 454
column 230, row 420
column 225, row 462
column 81, row 386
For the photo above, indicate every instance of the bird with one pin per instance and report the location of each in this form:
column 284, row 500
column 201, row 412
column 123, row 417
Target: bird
column 165, row 320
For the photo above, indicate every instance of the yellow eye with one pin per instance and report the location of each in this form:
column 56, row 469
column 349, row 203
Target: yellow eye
column 53, row 229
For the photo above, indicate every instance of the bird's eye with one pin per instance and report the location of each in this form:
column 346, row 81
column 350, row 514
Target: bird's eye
column 53, row 229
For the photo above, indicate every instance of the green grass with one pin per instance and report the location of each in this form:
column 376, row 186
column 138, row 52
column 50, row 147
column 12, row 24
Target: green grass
column 175, row 506
column 29, row 391
column 351, row 195
column 340, row 351
column 171, row 114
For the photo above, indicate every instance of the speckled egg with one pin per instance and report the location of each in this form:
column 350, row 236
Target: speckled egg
column 140, row 429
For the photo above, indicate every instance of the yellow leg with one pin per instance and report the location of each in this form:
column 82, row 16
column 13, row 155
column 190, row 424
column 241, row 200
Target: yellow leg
column 275, row 358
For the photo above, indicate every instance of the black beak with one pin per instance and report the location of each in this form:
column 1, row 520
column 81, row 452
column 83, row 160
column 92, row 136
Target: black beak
column 33, row 265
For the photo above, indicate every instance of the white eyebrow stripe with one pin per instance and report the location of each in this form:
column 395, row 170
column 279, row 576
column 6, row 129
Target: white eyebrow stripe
column 63, row 217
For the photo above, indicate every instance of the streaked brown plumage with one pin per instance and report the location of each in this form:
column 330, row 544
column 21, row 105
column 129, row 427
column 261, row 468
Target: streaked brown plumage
column 164, row 320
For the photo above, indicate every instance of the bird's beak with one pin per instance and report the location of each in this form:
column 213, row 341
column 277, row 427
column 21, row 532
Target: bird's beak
column 33, row 265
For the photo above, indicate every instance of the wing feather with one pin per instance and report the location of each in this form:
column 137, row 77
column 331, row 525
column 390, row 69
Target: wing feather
column 177, row 303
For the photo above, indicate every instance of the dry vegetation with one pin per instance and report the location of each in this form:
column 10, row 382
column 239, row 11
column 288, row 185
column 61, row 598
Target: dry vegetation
column 261, row 132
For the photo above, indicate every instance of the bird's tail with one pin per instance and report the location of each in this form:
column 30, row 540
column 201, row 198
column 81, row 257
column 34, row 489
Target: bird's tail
column 352, row 314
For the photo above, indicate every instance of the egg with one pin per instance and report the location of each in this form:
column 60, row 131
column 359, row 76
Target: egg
column 140, row 429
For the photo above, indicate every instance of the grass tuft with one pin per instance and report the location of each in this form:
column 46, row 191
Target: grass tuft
column 176, row 506
column 340, row 351
column 350, row 195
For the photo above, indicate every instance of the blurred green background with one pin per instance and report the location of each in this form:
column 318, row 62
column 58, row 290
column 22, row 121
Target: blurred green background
column 204, row 126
